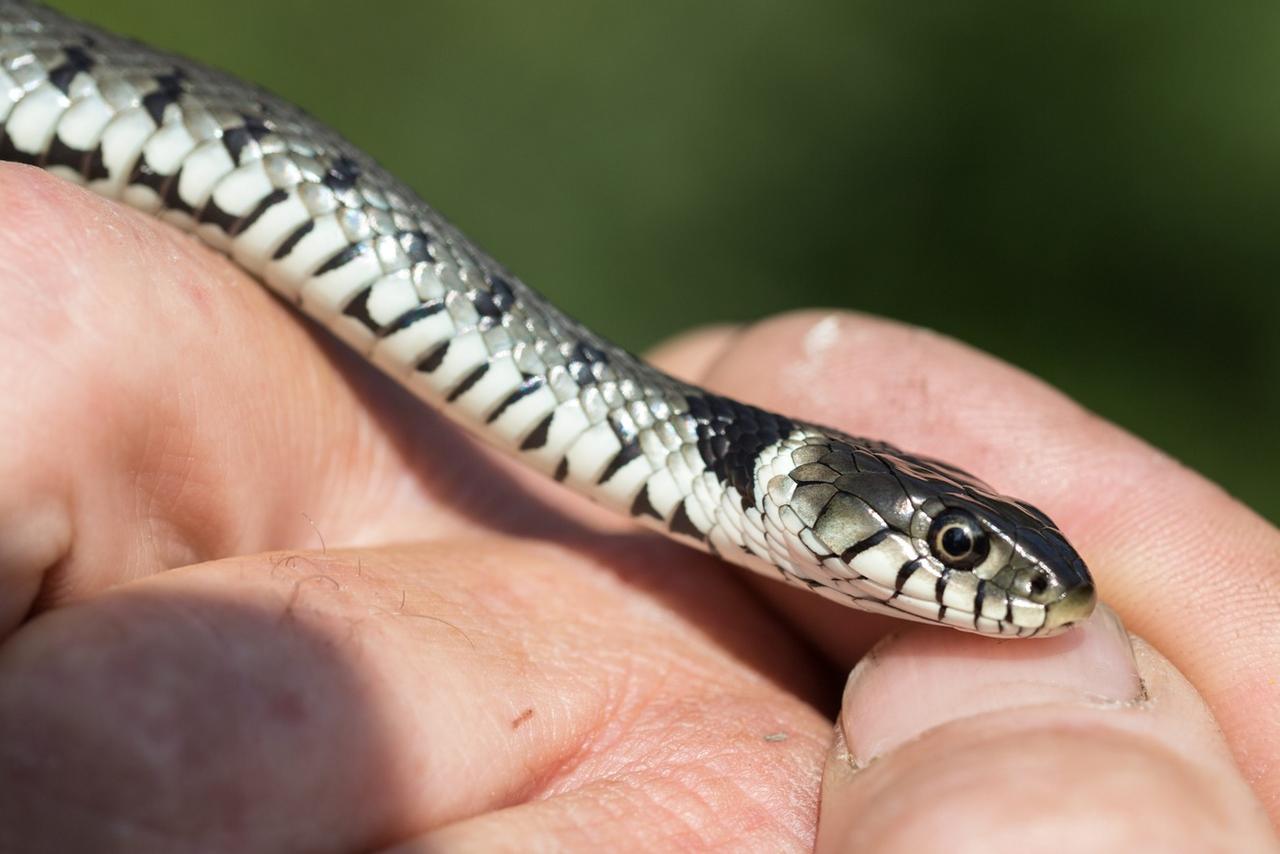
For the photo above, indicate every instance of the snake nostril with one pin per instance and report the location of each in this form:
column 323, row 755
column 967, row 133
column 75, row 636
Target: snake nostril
column 1040, row 583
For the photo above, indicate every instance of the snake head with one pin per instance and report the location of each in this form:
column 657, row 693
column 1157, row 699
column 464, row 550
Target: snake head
column 882, row 530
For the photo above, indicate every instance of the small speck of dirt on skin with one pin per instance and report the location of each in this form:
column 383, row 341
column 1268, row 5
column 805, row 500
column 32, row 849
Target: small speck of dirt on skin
column 776, row 736
column 521, row 718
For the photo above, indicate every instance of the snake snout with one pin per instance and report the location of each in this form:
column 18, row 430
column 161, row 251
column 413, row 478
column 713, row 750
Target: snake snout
column 1076, row 605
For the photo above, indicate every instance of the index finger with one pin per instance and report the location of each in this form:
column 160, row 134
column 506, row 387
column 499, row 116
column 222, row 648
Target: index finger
column 1186, row 566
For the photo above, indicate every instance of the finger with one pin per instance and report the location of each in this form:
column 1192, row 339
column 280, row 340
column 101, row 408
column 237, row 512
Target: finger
column 162, row 409
column 1043, row 746
column 690, row 355
column 343, row 701
column 1186, row 566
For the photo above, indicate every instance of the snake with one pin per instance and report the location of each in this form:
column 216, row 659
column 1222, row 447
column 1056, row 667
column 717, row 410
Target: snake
column 330, row 232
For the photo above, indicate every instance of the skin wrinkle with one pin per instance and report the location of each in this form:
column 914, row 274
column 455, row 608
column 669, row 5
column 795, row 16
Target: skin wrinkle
column 618, row 710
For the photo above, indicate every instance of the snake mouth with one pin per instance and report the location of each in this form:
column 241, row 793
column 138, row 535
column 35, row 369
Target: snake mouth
column 1072, row 608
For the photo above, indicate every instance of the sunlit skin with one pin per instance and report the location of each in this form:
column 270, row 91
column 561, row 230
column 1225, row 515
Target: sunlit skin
column 242, row 595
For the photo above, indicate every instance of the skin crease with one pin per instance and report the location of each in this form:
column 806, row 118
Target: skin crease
column 254, row 598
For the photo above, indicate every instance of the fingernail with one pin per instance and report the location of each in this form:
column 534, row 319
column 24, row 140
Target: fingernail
column 911, row 684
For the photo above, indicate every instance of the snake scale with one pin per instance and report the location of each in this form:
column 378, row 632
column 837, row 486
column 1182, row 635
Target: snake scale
column 329, row 231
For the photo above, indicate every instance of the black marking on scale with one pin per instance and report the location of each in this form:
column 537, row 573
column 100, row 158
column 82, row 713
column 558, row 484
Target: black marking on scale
column 215, row 215
column 234, row 139
column 978, row 596
column 905, row 572
column 88, row 164
column 358, row 309
column 76, row 61
column 61, row 154
column 341, row 174
column 341, row 257
column 532, row 382
column 485, row 305
column 172, row 198
column 270, row 200
column 433, row 359
column 940, row 588
column 501, row 293
column 168, row 90
column 580, row 361
column 470, row 380
column 682, row 524
column 412, row 316
column 292, row 240
column 145, row 175
column 417, row 246
column 562, row 470
column 642, row 506
column 96, row 167
column 630, row 450
column 9, row 151
column 862, row 545
column 538, row 437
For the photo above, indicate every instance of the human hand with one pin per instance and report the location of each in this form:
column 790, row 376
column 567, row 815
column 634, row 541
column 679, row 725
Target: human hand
column 254, row 598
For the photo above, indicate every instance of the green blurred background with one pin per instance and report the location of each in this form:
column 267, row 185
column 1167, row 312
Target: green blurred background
column 1089, row 189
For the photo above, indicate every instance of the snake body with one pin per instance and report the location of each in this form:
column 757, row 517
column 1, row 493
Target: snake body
column 320, row 223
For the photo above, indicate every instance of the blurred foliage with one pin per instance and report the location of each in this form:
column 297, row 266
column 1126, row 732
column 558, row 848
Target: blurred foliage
column 1088, row 189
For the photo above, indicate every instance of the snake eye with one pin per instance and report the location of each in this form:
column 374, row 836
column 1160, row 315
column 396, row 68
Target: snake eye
column 957, row 540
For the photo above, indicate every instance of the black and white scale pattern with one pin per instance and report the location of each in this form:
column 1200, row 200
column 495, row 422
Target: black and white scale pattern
column 331, row 232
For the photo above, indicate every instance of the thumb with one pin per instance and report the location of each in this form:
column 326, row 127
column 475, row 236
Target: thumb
column 1080, row 742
